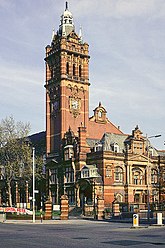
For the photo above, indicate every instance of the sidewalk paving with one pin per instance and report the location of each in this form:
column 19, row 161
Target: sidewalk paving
column 55, row 222
column 142, row 223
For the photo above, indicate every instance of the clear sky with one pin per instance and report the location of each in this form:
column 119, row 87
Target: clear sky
column 127, row 65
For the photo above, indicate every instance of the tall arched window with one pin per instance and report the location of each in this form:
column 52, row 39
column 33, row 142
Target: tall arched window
column 67, row 68
column 137, row 176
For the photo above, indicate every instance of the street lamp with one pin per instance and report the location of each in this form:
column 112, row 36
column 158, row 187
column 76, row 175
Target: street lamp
column 94, row 196
column 97, row 179
column 33, row 185
column 148, row 191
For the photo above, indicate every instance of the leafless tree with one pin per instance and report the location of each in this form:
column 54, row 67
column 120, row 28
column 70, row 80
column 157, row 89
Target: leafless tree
column 15, row 152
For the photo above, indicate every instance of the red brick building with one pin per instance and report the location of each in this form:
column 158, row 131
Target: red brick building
column 87, row 156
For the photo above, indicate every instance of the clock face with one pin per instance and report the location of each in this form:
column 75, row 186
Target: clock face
column 75, row 104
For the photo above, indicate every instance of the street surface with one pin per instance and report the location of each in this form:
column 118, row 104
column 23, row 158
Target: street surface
column 77, row 234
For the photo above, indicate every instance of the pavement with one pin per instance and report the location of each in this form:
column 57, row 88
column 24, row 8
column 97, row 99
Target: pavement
column 142, row 223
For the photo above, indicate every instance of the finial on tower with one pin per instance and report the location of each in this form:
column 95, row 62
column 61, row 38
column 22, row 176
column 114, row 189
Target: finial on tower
column 66, row 8
column 80, row 35
column 53, row 33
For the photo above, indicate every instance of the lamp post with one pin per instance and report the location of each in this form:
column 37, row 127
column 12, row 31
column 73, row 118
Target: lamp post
column 33, row 185
column 94, row 183
column 148, row 190
column 97, row 179
column 159, row 183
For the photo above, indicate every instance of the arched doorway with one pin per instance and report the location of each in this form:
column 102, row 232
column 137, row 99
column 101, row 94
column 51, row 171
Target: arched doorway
column 85, row 192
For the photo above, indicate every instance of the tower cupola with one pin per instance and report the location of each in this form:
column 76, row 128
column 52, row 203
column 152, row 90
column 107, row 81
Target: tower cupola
column 66, row 25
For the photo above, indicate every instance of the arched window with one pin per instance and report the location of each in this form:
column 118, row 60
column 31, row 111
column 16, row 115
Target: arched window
column 154, row 176
column 108, row 172
column 119, row 197
column 67, row 68
column 100, row 114
column 74, row 70
column 118, row 174
column 137, row 176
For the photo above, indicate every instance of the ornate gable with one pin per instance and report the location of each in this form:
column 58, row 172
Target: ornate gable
column 100, row 114
column 136, row 142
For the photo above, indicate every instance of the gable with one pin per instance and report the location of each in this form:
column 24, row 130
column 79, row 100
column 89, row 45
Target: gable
column 138, row 157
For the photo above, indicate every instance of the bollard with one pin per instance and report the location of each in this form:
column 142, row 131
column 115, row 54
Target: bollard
column 4, row 217
column 135, row 220
column 159, row 219
column 41, row 215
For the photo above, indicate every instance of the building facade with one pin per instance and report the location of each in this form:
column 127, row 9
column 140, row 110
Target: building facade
column 89, row 157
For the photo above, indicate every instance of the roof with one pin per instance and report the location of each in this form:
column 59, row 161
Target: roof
column 109, row 139
column 96, row 130
column 92, row 142
column 161, row 152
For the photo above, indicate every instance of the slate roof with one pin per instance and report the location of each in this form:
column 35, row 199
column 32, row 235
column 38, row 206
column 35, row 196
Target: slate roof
column 111, row 138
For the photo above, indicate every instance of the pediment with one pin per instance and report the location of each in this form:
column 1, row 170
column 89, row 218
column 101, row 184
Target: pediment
column 138, row 157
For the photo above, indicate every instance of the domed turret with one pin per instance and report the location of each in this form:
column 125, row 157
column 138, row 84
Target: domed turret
column 66, row 25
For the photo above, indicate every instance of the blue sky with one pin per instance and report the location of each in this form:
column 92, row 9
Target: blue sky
column 127, row 65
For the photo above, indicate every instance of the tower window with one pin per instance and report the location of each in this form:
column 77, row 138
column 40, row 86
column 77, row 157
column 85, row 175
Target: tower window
column 67, row 68
column 74, row 70
column 79, row 70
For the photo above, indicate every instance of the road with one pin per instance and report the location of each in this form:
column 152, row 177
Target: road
column 78, row 234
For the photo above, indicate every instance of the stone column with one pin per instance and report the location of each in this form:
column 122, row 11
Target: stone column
column 100, row 208
column 64, row 207
column 48, row 210
column 130, row 177
column 115, row 209
column 128, row 173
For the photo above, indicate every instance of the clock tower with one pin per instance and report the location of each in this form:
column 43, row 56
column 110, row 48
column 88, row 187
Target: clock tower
column 67, row 83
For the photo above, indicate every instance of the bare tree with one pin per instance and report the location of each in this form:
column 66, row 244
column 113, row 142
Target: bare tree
column 15, row 152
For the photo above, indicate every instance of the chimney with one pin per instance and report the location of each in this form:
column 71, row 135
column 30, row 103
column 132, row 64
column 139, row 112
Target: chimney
column 83, row 147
